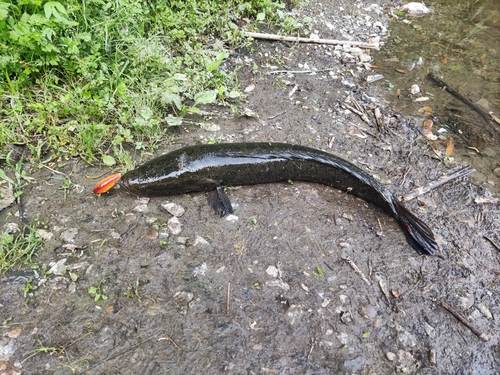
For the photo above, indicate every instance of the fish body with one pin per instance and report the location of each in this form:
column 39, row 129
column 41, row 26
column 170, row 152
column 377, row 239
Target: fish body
column 209, row 167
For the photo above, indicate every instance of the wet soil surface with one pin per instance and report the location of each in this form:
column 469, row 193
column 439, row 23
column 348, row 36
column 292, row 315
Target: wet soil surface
column 272, row 289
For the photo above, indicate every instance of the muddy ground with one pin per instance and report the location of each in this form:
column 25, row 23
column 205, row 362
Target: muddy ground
column 269, row 291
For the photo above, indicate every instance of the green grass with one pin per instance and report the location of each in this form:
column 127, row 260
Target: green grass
column 95, row 78
column 18, row 246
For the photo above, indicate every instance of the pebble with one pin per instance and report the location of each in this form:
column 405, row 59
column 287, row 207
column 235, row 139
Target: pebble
column 414, row 89
column 429, row 330
column 182, row 240
column 11, row 228
column 69, row 235
column 496, row 171
column 390, row 356
column 200, row 241
column 58, row 268
column 484, row 310
column 272, row 271
column 141, row 208
column 432, row 356
column 7, row 348
column 405, row 337
column 174, row 225
column 183, row 298
column 44, row 234
column 278, row 283
column 200, row 269
column 174, row 209
column 152, row 234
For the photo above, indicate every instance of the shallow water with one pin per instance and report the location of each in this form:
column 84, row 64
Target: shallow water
column 459, row 43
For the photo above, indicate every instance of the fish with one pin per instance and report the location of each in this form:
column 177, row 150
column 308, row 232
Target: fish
column 210, row 167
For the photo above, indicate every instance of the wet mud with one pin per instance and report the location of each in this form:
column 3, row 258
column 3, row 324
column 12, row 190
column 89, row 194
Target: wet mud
column 272, row 289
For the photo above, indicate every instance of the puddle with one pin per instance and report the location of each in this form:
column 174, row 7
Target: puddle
column 460, row 44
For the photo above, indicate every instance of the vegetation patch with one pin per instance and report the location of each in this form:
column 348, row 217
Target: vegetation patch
column 87, row 78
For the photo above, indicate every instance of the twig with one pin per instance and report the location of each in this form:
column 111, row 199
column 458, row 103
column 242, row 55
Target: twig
column 301, row 71
column 493, row 243
column 359, row 113
column 487, row 118
column 228, row 296
column 311, row 40
column 169, row 340
column 465, row 322
column 357, row 270
column 434, row 184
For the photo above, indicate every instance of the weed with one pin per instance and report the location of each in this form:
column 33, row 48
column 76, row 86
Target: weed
column 16, row 245
column 96, row 292
column 20, row 179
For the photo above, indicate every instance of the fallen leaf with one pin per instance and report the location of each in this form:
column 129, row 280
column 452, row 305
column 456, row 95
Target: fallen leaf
column 443, row 58
column 450, row 147
column 401, row 71
column 427, row 111
column 421, row 37
column 422, row 99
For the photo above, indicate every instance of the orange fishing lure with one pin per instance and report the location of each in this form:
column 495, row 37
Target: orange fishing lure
column 107, row 183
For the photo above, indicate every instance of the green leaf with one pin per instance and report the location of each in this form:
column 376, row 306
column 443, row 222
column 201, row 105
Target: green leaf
column 92, row 290
column 4, row 10
column 366, row 335
column 261, row 17
column 174, row 121
column 108, row 160
column 205, row 97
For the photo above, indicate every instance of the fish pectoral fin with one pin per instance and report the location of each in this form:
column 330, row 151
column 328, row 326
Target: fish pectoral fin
column 219, row 201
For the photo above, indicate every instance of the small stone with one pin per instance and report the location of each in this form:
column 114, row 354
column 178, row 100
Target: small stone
column 174, row 209
column 429, row 330
column 484, row 310
column 390, row 356
column 141, row 208
column 200, row 269
column 11, row 228
column 272, row 271
column 7, row 348
column 44, row 234
column 69, row 235
column 414, row 89
column 14, row 334
column 152, row 234
column 174, row 225
column 58, row 268
column 182, row 240
column 432, row 356
column 200, row 241
column 343, row 338
column 183, row 298
column 278, row 283
column 496, row 171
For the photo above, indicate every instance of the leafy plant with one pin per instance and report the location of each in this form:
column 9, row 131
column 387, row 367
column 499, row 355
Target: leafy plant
column 95, row 79
column 96, row 292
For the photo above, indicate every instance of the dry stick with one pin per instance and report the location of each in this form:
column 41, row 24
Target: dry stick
column 228, row 295
column 456, row 314
column 434, row 184
column 357, row 270
column 311, row 40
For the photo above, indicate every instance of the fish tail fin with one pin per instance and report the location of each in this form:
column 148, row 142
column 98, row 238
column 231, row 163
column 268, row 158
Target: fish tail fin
column 417, row 233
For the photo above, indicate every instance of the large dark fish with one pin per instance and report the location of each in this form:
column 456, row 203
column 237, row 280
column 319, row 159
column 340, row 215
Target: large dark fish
column 209, row 167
